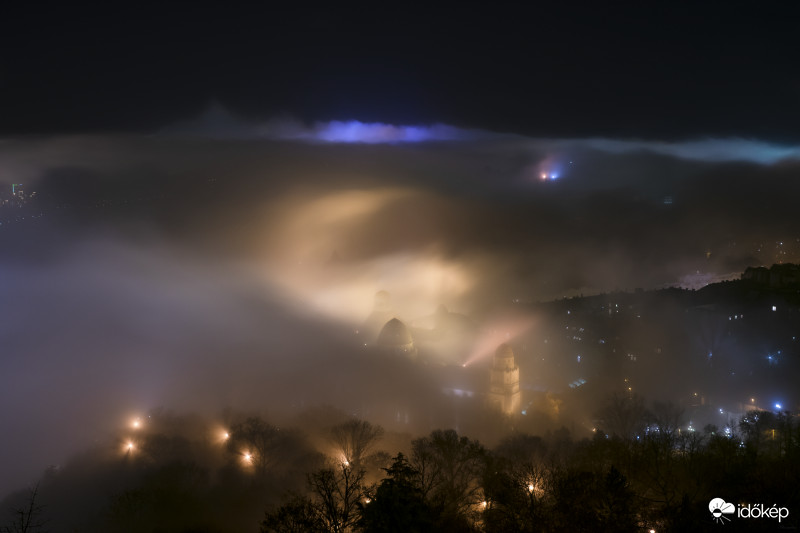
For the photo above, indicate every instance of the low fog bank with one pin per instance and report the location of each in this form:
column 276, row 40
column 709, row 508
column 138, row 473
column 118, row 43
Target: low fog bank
column 610, row 220
column 112, row 327
column 197, row 273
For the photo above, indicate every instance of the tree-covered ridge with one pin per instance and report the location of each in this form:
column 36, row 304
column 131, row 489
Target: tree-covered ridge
column 333, row 473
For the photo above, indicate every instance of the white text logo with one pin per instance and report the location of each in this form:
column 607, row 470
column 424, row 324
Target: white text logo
column 719, row 508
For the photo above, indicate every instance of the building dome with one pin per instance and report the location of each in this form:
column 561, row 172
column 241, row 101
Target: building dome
column 394, row 333
column 396, row 339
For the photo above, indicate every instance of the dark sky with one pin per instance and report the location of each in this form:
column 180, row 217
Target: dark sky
column 643, row 70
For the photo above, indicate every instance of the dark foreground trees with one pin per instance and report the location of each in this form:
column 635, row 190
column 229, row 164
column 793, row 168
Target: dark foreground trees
column 355, row 439
column 656, row 478
column 398, row 505
column 439, row 489
column 336, row 494
column 648, row 476
column 27, row 516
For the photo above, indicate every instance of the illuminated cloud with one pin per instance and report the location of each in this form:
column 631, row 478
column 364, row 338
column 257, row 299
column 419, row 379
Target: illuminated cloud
column 217, row 122
column 310, row 230
column 354, row 131
column 709, row 150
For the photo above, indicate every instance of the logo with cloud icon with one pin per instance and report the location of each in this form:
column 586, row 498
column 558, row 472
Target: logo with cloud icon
column 719, row 508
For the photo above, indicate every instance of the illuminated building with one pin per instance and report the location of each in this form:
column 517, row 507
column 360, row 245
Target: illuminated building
column 395, row 339
column 504, row 382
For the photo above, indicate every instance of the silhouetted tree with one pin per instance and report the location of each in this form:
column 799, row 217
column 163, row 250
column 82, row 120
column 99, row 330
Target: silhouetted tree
column 299, row 515
column 590, row 501
column 337, row 492
column 520, row 448
column 450, row 470
column 263, row 446
column 515, row 485
column 355, row 439
column 398, row 504
column 622, row 415
column 664, row 420
column 516, row 501
column 28, row 517
column 762, row 432
column 333, row 504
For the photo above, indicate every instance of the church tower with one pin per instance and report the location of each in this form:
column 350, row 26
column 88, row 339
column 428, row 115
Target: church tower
column 504, row 392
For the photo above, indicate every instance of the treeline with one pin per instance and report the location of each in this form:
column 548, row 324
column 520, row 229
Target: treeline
column 655, row 477
column 330, row 473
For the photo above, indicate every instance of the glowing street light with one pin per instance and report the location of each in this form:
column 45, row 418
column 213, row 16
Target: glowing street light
column 535, row 489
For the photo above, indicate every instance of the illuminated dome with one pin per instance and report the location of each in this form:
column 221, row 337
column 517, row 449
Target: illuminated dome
column 394, row 333
column 396, row 339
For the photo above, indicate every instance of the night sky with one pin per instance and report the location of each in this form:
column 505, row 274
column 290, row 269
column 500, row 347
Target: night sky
column 625, row 69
